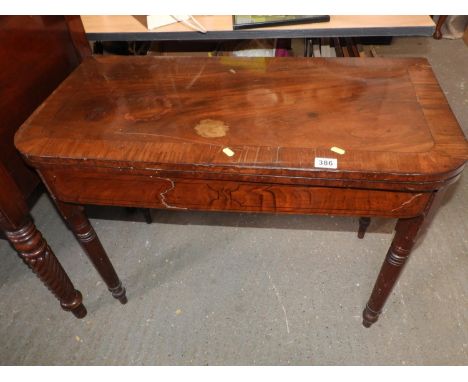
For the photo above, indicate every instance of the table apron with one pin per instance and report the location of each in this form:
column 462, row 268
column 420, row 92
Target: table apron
column 123, row 189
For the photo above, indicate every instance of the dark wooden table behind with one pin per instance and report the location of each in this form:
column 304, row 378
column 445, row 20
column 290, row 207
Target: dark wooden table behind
column 38, row 53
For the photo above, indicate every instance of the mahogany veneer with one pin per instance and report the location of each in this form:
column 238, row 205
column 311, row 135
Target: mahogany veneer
column 37, row 53
column 232, row 134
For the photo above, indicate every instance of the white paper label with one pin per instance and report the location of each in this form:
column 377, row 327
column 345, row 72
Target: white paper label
column 326, row 163
column 228, row 152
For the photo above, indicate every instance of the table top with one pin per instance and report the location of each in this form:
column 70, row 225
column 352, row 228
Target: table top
column 275, row 115
column 113, row 28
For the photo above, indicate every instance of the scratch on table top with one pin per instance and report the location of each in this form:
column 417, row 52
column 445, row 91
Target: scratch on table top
column 106, row 77
column 188, row 140
column 196, row 77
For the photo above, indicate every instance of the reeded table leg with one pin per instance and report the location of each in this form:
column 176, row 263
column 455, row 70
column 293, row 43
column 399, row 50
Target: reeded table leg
column 406, row 232
column 363, row 224
column 36, row 253
column 84, row 232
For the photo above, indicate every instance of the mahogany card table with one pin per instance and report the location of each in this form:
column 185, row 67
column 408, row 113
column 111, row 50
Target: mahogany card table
column 347, row 136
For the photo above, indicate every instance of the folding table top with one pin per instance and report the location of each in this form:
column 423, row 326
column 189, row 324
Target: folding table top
column 376, row 117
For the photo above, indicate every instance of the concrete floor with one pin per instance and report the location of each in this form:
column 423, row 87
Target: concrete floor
column 238, row 289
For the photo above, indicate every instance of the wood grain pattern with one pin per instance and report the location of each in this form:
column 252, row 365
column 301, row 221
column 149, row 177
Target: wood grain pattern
column 88, row 187
column 37, row 54
column 279, row 114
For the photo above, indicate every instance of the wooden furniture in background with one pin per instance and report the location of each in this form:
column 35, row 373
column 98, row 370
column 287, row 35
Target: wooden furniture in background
column 38, row 53
column 232, row 134
column 440, row 21
column 18, row 227
column 134, row 28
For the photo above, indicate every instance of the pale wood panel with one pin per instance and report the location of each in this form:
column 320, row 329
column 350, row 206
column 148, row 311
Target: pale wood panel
column 124, row 24
column 133, row 24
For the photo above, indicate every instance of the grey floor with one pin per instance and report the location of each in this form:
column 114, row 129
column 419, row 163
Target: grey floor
column 230, row 289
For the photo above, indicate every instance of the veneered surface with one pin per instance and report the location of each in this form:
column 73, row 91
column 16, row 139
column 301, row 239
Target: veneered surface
column 37, row 54
column 388, row 114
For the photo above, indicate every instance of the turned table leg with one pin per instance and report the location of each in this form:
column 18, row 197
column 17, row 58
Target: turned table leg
column 79, row 224
column 407, row 231
column 363, row 224
column 397, row 255
column 36, row 253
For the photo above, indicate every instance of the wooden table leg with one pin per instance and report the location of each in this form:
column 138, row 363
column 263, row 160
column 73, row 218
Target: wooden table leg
column 79, row 224
column 437, row 33
column 23, row 235
column 400, row 249
column 147, row 215
column 145, row 211
column 407, row 231
column 36, row 253
column 363, row 224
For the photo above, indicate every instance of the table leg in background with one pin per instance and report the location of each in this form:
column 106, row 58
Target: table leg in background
column 79, row 224
column 363, row 224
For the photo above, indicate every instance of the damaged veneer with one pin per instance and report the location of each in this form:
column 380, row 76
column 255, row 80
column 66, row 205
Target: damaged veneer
column 354, row 137
column 221, row 195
